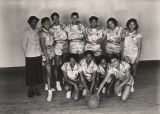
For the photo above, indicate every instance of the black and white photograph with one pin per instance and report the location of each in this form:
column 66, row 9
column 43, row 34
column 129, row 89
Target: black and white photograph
column 79, row 57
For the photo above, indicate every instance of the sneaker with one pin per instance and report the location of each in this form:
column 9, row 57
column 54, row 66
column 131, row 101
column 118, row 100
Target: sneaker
column 84, row 92
column 132, row 89
column 46, row 87
column 68, row 94
column 104, row 90
column 53, row 90
column 49, row 98
column 119, row 94
column 58, row 86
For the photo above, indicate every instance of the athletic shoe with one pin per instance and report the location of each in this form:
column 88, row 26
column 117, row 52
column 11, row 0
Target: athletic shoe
column 132, row 89
column 84, row 92
column 68, row 94
column 49, row 98
column 119, row 94
column 53, row 90
column 46, row 87
column 58, row 86
column 104, row 90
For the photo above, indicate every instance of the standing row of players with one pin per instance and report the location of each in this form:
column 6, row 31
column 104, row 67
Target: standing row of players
column 57, row 40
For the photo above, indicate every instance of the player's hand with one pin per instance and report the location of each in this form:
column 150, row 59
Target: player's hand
column 88, row 94
column 97, row 94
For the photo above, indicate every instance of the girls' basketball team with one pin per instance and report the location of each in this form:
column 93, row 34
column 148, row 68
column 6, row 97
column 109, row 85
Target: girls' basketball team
column 93, row 60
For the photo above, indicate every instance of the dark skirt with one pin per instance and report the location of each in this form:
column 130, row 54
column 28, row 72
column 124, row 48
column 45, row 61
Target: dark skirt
column 33, row 71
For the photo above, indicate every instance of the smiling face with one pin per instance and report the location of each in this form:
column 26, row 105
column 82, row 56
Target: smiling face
column 89, row 58
column 103, row 63
column 55, row 19
column 72, row 62
column 94, row 23
column 111, row 25
column 74, row 19
column 115, row 62
column 132, row 26
column 46, row 25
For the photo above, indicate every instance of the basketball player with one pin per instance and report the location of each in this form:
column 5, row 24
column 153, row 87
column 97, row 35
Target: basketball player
column 48, row 52
column 124, row 80
column 94, row 38
column 75, row 32
column 60, row 47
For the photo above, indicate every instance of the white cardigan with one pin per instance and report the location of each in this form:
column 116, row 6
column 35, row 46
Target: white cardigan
column 31, row 43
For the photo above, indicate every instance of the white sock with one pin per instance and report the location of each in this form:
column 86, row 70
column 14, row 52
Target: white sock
column 46, row 86
column 49, row 98
column 52, row 89
column 58, row 85
column 68, row 94
column 119, row 94
column 84, row 92
column 104, row 90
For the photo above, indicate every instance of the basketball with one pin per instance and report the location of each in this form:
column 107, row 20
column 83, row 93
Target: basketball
column 93, row 101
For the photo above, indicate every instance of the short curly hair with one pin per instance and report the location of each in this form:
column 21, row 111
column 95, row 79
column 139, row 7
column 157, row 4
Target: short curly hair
column 113, row 20
column 93, row 18
column 132, row 20
column 74, row 14
column 44, row 19
column 54, row 14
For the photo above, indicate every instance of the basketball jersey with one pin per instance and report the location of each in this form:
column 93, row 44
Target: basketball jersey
column 47, row 36
column 72, row 74
column 93, row 34
column 88, row 70
column 112, row 45
column 119, row 73
column 131, row 44
column 58, row 32
column 75, row 31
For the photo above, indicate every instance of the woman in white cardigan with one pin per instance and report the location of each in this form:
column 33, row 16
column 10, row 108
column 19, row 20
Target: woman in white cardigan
column 33, row 57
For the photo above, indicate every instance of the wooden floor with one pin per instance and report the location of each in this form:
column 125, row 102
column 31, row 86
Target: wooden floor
column 145, row 99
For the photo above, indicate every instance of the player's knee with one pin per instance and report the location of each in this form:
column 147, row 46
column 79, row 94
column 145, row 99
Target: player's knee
column 109, row 80
column 124, row 98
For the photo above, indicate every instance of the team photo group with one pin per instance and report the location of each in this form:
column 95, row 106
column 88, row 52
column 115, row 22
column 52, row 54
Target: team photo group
column 83, row 60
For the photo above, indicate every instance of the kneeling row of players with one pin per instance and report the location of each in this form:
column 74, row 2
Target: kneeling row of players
column 90, row 78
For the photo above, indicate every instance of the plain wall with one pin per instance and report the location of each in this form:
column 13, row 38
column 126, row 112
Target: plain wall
column 14, row 15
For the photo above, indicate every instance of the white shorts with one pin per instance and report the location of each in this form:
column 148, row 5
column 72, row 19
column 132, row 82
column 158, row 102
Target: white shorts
column 113, row 48
column 96, row 48
column 61, row 47
column 50, row 52
column 129, row 58
column 76, row 47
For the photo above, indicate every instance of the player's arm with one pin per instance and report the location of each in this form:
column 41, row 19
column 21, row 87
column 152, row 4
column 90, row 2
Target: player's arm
column 104, row 82
column 83, row 81
column 128, row 74
column 93, row 81
column 139, row 49
column 43, row 47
